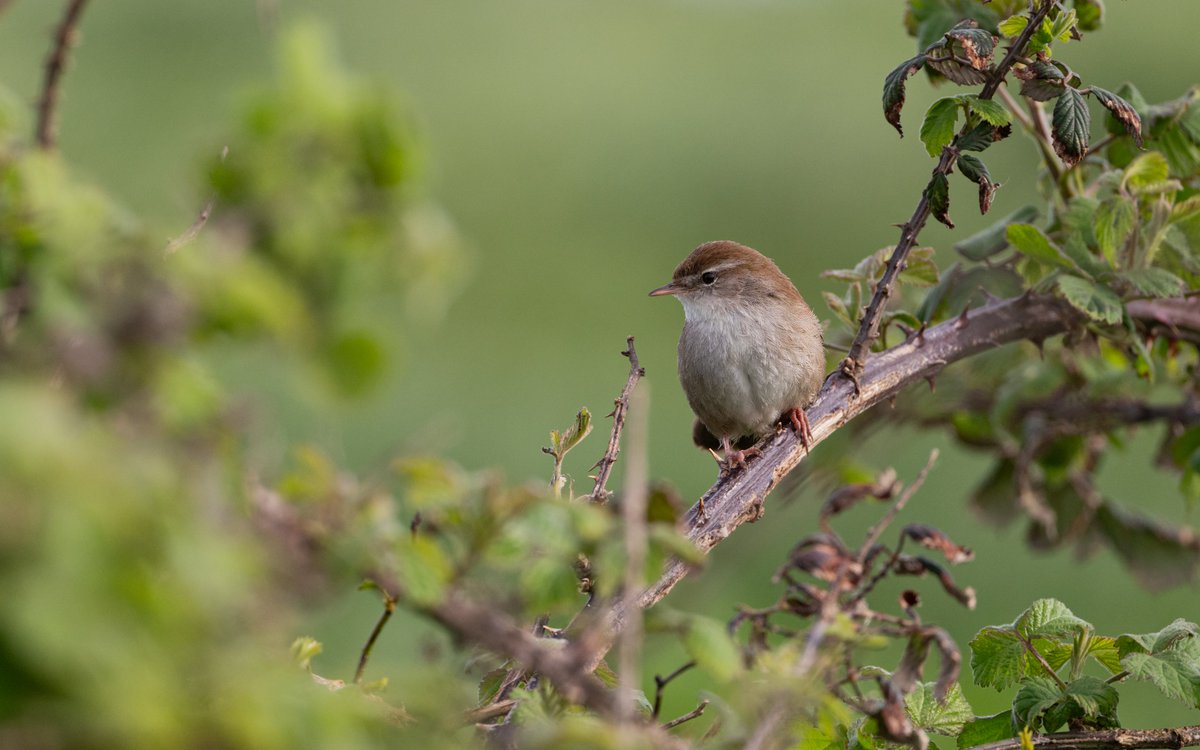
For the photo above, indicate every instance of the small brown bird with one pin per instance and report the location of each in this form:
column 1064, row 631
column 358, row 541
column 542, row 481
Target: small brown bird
column 750, row 354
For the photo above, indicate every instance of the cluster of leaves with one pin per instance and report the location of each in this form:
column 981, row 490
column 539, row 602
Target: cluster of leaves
column 140, row 607
column 1044, row 653
column 1121, row 228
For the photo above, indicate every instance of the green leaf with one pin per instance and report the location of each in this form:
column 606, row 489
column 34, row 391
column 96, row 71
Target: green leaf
column 1148, row 169
column 490, row 683
column 1179, row 632
column 1091, row 14
column 1122, row 111
column 947, row 717
column 938, row 193
column 707, row 641
column 893, row 90
column 1069, row 127
column 1061, row 28
column 1097, row 301
column 1104, row 649
column 981, row 136
column 424, row 569
column 1155, row 282
column 1050, row 619
column 1175, row 673
column 1013, row 26
column 1094, row 697
column 1033, row 698
column 579, row 429
column 1030, row 241
column 938, row 128
column 1114, row 222
column 985, row 729
column 304, row 649
column 990, row 241
column 989, row 111
column 355, row 361
column 997, row 657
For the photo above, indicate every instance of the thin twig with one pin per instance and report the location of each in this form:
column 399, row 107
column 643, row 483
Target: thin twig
column 880, row 526
column 1108, row 739
column 64, row 38
column 693, row 714
column 1037, row 655
column 868, row 330
column 605, row 465
column 660, row 684
column 202, row 219
column 633, row 516
column 389, row 608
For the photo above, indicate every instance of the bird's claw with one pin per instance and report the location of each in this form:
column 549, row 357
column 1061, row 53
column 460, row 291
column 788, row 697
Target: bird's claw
column 799, row 421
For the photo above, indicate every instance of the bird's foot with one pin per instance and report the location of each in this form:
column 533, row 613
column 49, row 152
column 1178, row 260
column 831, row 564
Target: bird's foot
column 736, row 459
column 799, row 421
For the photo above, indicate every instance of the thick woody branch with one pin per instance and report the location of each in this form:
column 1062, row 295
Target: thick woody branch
column 1108, row 739
column 64, row 39
column 739, row 498
column 868, row 330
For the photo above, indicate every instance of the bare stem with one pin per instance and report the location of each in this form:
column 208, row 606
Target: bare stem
column 64, row 38
column 633, row 515
column 192, row 231
column 609, row 459
column 389, row 608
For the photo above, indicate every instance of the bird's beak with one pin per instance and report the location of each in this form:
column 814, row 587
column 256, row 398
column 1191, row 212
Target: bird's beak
column 671, row 288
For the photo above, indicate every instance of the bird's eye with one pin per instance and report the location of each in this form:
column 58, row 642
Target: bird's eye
column 708, row 277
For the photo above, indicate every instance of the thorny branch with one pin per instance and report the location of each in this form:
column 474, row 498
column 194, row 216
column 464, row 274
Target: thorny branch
column 64, row 38
column 620, row 410
column 868, row 329
column 1107, row 739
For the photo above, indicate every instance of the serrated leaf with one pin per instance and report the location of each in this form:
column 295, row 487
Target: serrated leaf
column 1033, row 698
column 1069, row 127
column 707, row 642
column 1182, row 154
column 985, row 729
column 997, row 657
column 938, row 128
column 1041, row 81
column 1097, row 301
column 946, row 718
column 1031, row 243
column 992, row 240
column 938, row 193
column 956, row 72
column 1050, row 619
column 1172, row 672
column 1179, row 632
column 1104, row 649
column 1147, row 169
column 894, row 90
column 1013, row 26
column 1093, row 696
column 1122, row 111
column 989, row 111
column 490, row 683
column 1155, row 282
column 424, row 569
column 1060, row 28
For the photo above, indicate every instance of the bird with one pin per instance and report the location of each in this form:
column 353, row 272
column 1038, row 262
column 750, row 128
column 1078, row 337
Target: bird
column 751, row 354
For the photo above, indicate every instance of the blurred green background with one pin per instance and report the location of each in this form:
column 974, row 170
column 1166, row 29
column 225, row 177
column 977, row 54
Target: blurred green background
column 581, row 150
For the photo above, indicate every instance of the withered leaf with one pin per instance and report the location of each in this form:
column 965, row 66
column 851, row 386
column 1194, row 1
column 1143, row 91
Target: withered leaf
column 978, row 45
column 938, row 194
column 1040, row 81
column 1122, row 110
column 893, row 90
column 931, row 538
column 1069, row 127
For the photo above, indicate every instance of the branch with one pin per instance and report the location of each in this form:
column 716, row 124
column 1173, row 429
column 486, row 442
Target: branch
column 389, row 608
column 567, row 667
column 738, row 498
column 192, row 231
column 64, row 39
column 1108, row 739
column 868, row 329
column 606, row 462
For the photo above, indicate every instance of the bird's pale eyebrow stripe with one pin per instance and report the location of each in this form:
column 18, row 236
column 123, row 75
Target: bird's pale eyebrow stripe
column 725, row 266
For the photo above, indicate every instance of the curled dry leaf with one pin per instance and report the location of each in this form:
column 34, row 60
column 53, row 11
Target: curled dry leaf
column 931, row 538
